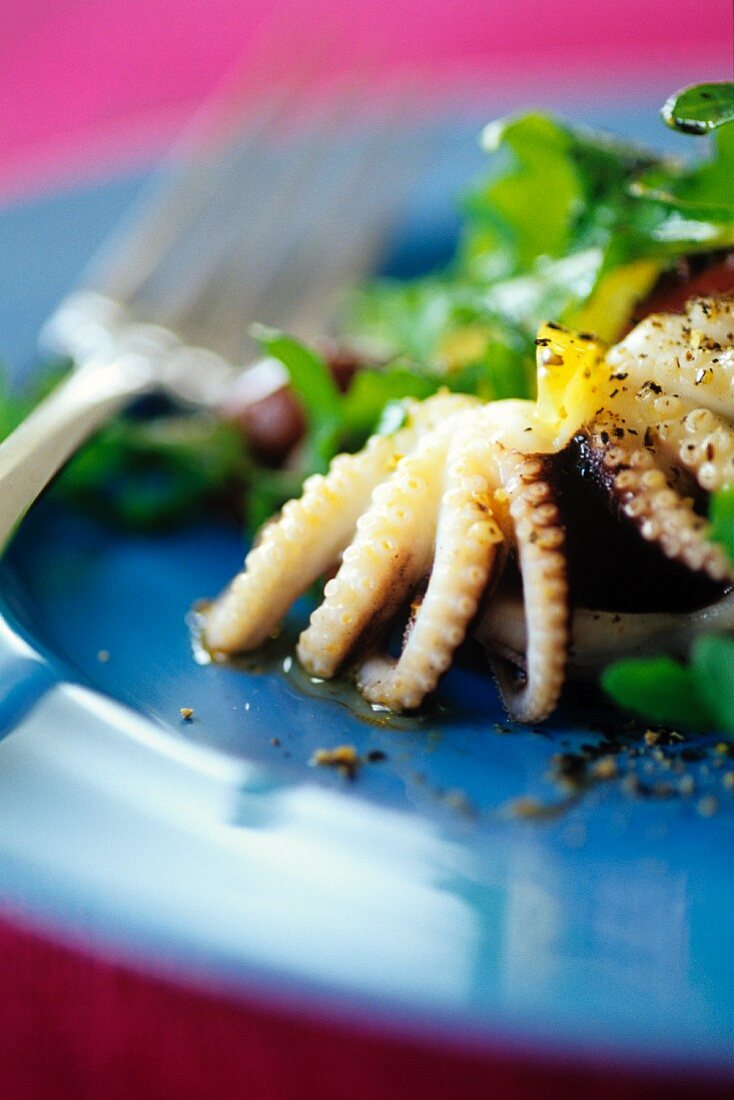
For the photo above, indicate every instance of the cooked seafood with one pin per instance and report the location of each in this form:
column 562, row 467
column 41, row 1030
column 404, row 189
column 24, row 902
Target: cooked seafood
column 467, row 495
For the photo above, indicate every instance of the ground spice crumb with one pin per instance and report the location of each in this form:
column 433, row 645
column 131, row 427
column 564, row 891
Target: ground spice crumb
column 187, row 713
column 707, row 806
column 686, row 786
column 652, row 737
column 606, row 768
column 458, row 801
column 103, row 656
column 344, row 758
column 275, row 741
column 728, row 781
column 374, row 756
column 527, row 807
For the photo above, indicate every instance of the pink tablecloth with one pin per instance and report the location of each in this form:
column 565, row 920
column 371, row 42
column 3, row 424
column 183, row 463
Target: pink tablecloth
column 89, row 83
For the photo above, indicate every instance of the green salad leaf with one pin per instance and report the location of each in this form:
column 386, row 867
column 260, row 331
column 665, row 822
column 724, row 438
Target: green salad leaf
column 700, row 108
column 661, row 690
column 721, row 514
column 698, row 695
column 156, row 472
column 315, row 389
column 569, row 225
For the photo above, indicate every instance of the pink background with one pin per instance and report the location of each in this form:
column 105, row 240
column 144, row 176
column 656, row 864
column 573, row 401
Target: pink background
column 91, row 83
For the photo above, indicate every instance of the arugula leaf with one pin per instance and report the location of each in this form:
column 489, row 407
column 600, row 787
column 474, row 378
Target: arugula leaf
column 700, row 108
column 721, row 514
column 661, row 690
column 372, row 389
column 267, row 491
column 562, row 214
column 153, row 473
column 529, row 219
column 315, row 388
column 712, row 664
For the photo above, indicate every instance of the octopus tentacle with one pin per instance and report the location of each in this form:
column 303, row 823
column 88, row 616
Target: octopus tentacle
column 540, row 542
column 703, row 442
column 600, row 637
column 660, row 513
column 309, row 535
column 392, row 550
column 466, row 546
column 296, row 549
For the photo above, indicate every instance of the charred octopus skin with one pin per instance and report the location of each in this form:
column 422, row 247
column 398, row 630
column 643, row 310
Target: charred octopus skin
column 469, row 514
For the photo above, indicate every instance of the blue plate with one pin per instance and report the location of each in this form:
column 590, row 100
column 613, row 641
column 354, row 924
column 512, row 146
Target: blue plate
column 211, row 849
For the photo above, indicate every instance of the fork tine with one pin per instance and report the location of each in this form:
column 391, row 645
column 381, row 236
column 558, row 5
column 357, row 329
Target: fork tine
column 250, row 224
column 258, row 240
column 333, row 237
column 243, row 229
column 359, row 197
column 215, row 149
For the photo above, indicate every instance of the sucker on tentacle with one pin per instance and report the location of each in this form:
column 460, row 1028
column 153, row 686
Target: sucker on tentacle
column 467, row 538
column 540, row 541
column 311, row 532
column 616, row 457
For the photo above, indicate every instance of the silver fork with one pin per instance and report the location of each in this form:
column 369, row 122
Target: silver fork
column 263, row 225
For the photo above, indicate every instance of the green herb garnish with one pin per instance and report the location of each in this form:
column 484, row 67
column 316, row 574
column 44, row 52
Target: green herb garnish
column 569, row 224
column 700, row 108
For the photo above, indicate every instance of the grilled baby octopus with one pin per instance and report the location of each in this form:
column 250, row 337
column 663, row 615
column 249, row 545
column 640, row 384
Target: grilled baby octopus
column 469, row 514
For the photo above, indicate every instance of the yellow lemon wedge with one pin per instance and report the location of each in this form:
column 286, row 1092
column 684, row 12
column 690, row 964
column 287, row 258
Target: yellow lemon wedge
column 570, row 378
column 613, row 301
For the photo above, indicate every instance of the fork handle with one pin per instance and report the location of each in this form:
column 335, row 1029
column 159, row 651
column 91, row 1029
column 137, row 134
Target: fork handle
column 38, row 448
